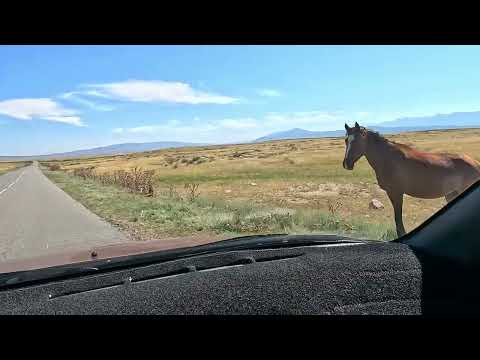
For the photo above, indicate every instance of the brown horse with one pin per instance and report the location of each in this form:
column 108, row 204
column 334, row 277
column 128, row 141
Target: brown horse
column 401, row 169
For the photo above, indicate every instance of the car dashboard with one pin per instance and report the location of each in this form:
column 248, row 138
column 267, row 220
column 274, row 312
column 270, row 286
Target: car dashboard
column 344, row 278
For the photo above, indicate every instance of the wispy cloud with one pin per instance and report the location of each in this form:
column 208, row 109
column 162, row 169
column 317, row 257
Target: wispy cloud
column 311, row 120
column 172, row 128
column 156, row 91
column 75, row 97
column 149, row 129
column 235, row 124
column 237, row 129
column 39, row 108
column 269, row 92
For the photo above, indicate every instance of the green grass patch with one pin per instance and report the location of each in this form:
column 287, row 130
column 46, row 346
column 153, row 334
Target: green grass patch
column 168, row 214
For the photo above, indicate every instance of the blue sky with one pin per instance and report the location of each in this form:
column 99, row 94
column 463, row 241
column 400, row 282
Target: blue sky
column 62, row 98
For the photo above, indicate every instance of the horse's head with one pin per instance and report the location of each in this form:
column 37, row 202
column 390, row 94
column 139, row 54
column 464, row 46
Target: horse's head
column 355, row 145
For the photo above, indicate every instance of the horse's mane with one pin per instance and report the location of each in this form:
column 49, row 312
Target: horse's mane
column 377, row 137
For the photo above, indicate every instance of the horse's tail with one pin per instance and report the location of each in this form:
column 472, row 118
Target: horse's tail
column 473, row 163
column 476, row 164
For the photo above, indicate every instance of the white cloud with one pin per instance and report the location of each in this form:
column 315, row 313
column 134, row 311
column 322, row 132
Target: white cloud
column 196, row 127
column 157, row 91
column 96, row 93
column 234, row 129
column 230, row 130
column 311, row 120
column 74, row 96
column 269, row 92
column 149, row 129
column 39, row 108
column 173, row 127
column 236, row 124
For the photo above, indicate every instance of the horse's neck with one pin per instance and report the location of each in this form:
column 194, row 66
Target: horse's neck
column 376, row 155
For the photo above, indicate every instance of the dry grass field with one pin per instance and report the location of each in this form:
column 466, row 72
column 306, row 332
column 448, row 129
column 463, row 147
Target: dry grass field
column 302, row 178
column 9, row 166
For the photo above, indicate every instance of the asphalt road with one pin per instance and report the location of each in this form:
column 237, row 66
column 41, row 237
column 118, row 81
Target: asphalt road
column 38, row 218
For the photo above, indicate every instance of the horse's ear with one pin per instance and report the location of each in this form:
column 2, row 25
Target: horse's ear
column 357, row 126
column 347, row 127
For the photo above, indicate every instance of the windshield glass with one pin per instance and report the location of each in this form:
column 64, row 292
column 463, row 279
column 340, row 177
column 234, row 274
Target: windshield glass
column 115, row 150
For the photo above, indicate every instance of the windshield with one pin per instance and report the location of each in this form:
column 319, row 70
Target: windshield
column 114, row 150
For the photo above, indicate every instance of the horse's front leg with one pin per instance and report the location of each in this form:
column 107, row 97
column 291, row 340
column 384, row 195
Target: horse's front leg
column 397, row 203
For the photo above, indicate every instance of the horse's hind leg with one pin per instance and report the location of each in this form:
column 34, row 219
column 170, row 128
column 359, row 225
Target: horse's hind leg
column 449, row 197
column 397, row 203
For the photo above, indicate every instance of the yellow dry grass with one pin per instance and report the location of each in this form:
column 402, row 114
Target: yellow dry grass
column 9, row 166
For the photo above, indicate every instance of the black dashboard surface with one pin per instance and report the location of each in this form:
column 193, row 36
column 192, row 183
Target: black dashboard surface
column 368, row 278
column 433, row 270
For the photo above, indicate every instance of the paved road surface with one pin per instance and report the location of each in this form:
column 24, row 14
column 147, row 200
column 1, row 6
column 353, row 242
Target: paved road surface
column 38, row 218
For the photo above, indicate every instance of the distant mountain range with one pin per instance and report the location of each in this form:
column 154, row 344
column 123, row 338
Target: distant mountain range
column 117, row 149
column 306, row 134
column 298, row 133
column 436, row 122
column 460, row 119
